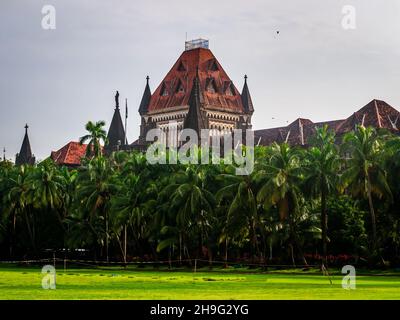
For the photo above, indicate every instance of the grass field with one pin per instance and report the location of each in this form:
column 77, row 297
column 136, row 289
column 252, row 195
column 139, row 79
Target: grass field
column 25, row 283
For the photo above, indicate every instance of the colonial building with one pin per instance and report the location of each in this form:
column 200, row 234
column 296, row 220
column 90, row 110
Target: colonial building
column 196, row 93
column 25, row 155
column 377, row 114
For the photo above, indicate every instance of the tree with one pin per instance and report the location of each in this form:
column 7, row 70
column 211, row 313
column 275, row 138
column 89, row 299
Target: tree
column 242, row 217
column 280, row 178
column 321, row 171
column 96, row 185
column 17, row 203
column 126, row 211
column 47, row 187
column 95, row 136
column 192, row 203
column 364, row 173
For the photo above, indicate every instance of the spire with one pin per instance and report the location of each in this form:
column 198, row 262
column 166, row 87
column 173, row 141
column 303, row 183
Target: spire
column 25, row 155
column 117, row 100
column 126, row 120
column 116, row 132
column 194, row 118
column 144, row 104
column 246, row 98
column 4, row 154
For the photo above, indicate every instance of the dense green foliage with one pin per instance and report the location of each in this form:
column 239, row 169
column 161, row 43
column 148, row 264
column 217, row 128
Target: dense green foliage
column 339, row 202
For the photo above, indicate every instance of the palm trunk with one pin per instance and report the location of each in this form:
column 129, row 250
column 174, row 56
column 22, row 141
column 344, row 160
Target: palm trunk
column 12, row 241
column 30, row 232
column 210, row 257
column 292, row 254
column 324, row 224
column 226, row 252
column 106, row 236
column 372, row 212
column 295, row 243
column 125, row 243
column 270, row 249
column 253, row 242
column 180, row 248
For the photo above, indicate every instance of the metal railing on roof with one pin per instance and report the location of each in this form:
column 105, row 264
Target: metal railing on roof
column 196, row 43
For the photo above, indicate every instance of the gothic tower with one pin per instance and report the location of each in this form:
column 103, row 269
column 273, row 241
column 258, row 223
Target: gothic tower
column 196, row 93
column 116, row 133
column 25, row 155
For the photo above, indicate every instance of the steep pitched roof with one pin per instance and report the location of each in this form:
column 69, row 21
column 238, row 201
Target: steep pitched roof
column 25, row 154
column 116, row 132
column 194, row 118
column 376, row 113
column 167, row 95
column 246, row 97
column 144, row 103
column 295, row 133
column 69, row 155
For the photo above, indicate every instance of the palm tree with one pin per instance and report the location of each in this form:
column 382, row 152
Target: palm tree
column 126, row 211
column 193, row 204
column 95, row 189
column 392, row 165
column 364, row 173
column 47, row 187
column 280, row 178
column 17, row 203
column 69, row 177
column 321, row 172
column 96, row 134
column 242, row 218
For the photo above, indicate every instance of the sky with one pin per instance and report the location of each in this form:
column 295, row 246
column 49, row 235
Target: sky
column 57, row 80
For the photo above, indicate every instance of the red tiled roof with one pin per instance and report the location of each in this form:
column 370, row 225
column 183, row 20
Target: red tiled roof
column 69, row 155
column 377, row 114
column 182, row 75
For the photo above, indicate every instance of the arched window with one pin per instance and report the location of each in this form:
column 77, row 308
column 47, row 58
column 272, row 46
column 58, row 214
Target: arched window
column 229, row 91
column 164, row 91
column 180, row 88
column 211, row 86
column 181, row 67
column 213, row 66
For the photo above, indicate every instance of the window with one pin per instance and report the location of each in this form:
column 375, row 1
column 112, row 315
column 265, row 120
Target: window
column 229, row 91
column 180, row 88
column 181, row 67
column 211, row 87
column 213, row 66
column 163, row 91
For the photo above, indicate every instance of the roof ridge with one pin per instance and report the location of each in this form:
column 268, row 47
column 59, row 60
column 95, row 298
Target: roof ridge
column 68, row 148
column 377, row 114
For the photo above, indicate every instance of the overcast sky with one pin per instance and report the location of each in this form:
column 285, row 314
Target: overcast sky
column 57, row 80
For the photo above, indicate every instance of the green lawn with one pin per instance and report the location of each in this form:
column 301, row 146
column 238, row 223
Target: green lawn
column 25, row 283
